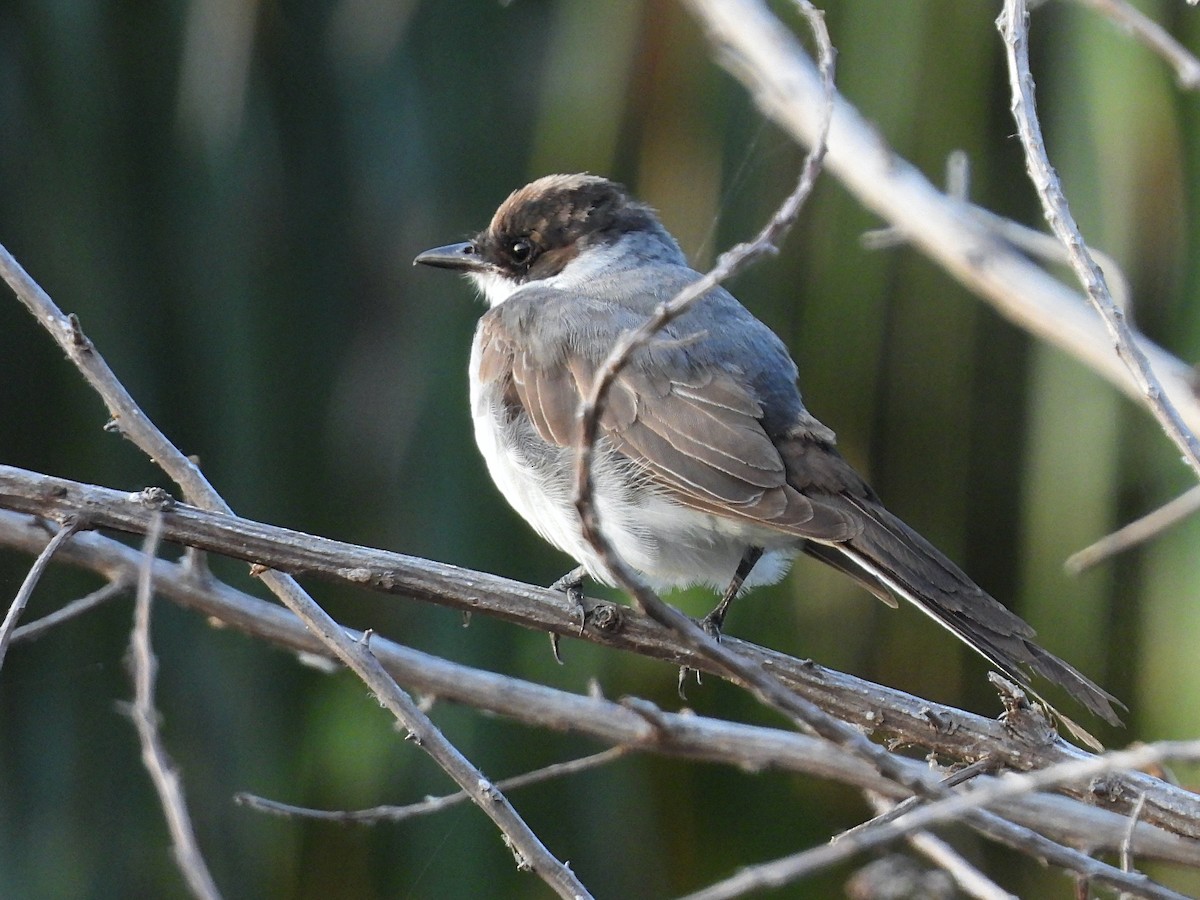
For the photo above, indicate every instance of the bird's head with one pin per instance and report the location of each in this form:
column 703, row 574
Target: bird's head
column 557, row 229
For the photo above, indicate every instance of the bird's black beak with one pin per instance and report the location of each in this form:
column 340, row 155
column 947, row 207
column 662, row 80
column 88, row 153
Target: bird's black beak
column 463, row 257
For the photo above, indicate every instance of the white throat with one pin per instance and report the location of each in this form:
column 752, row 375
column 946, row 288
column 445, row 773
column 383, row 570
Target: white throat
column 496, row 288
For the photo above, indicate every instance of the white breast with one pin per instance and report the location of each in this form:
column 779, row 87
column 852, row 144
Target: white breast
column 533, row 476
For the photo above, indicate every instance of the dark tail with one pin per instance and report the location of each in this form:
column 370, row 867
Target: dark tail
column 891, row 556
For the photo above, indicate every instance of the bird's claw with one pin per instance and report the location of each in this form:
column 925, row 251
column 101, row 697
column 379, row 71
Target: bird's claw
column 571, row 584
column 712, row 626
column 681, row 687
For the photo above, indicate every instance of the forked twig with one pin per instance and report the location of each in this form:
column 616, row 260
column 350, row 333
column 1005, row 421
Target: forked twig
column 9, row 625
column 34, row 630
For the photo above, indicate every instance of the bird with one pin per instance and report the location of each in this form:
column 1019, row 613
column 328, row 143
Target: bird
column 708, row 467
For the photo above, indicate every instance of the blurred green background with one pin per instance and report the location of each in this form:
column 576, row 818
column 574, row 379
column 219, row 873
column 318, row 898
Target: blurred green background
column 230, row 195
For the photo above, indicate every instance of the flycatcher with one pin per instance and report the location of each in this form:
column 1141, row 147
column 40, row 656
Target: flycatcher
column 708, row 468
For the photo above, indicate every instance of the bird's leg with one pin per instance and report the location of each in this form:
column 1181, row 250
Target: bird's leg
column 572, row 585
column 714, row 620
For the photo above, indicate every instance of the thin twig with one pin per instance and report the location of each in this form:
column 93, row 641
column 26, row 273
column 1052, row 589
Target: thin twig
column 970, row 880
column 896, row 810
column 1136, row 532
column 145, row 717
column 9, row 625
column 1152, row 35
column 1048, row 248
column 134, row 424
column 1014, row 27
column 72, row 610
column 429, row 805
column 1127, row 841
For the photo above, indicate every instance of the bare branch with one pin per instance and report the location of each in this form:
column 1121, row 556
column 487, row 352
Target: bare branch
column 135, row 425
column 72, row 610
column 144, row 666
column 1010, row 785
column 9, row 625
column 429, row 805
column 1127, row 845
column 790, row 869
column 970, row 880
column 1136, row 532
column 1153, row 36
column 1014, row 26
column 1036, row 243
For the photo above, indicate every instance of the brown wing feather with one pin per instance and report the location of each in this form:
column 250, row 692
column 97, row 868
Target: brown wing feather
column 495, row 352
column 711, row 434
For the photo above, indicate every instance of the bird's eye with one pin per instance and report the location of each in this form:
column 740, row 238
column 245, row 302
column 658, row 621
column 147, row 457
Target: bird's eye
column 521, row 250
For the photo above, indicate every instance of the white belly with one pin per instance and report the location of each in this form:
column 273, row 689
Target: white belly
column 669, row 544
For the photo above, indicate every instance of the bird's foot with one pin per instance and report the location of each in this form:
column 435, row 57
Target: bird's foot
column 712, row 624
column 571, row 584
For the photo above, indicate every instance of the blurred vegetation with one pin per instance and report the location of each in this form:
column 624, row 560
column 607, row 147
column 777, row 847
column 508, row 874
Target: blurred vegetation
column 230, row 194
